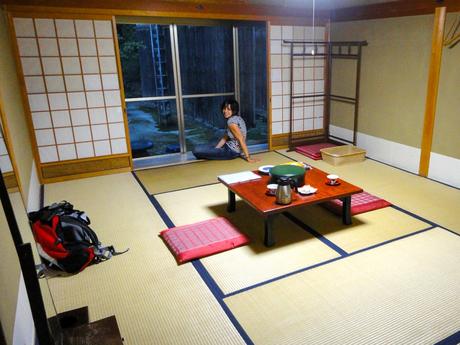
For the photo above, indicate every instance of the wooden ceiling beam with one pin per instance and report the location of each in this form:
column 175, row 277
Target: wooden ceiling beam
column 236, row 10
column 399, row 8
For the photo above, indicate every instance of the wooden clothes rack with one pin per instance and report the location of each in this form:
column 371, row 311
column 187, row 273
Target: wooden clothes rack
column 332, row 50
column 453, row 36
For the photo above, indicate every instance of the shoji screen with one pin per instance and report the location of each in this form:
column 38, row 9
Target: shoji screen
column 308, row 78
column 6, row 163
column 73, row 91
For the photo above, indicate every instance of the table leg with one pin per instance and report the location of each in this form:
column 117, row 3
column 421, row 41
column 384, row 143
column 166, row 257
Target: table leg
column 346, row 210
column 231, row 206
column 269, row 239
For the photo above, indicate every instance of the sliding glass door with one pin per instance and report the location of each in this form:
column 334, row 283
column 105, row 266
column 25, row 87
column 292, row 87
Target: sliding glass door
column 148, row 76
column 252, row 81
column 177, row 76
column 207, row 78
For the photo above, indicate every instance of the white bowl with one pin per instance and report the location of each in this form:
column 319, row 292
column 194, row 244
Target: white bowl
column 271, row 188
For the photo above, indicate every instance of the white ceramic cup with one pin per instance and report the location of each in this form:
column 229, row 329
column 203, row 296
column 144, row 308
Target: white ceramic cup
column 332, row 179
column 271, row 188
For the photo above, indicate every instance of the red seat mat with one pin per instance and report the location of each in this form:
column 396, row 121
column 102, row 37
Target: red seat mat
column 313, row 151
column 360, row 203
column 204, row 238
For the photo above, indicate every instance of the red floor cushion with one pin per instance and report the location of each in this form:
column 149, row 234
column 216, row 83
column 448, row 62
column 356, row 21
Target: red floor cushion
column 188, row 242
column 360, row 203
column 313, row 151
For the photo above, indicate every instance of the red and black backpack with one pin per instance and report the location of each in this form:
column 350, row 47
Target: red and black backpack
column 64, row 238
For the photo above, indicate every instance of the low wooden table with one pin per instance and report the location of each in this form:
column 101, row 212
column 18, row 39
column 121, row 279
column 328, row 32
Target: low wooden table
column 254, row 193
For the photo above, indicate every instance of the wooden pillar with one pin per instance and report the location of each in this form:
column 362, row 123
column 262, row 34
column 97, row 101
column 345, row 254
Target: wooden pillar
column 432, row 89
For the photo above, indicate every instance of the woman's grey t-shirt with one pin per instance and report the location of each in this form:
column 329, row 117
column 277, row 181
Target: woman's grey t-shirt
column 233, row 142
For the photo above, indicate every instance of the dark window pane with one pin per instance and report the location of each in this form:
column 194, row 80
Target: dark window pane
column 145, row 52
column 253, row 81
column 153, row 127
column 206, row 59
column 204, row 122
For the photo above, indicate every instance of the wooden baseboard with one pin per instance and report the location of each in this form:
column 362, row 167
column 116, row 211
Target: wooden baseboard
column 10, row 180
column 281, row 141
column 62, row 171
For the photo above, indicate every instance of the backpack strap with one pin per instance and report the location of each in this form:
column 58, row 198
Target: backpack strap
column 41, row 270
column 105, row 253
column 93, row 239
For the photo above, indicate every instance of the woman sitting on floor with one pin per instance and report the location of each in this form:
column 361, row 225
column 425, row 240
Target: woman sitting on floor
column 233, row 143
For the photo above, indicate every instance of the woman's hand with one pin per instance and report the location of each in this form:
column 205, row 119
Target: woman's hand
column 222, row 141
column 252, row 160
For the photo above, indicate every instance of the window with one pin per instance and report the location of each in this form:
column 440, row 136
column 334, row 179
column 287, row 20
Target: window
column 177, row 76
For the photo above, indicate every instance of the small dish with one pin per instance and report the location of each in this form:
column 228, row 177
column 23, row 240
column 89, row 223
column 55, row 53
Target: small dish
column 307, row 190
column 265, row 169
column 271, row 189
column 333, row 184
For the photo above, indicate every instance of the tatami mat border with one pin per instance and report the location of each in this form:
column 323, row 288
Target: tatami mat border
column 180, row 189
column 315, row 233
column 326, row 262
column 423, row 220
column 415, row 216
column 155, row 204
column 397, row 207
column 219, row 295
column 201, row 270
column 391, row 166
column 217, row 292
column 412, row 173
column 454, row 339
column 343, row 254
column 286, row 156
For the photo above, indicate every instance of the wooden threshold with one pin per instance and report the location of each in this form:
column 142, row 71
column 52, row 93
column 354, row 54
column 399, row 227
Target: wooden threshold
column 10, row 180
column 281, row 141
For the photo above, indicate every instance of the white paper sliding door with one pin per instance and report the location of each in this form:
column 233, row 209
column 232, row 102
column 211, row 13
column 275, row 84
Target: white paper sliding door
column 72, row 87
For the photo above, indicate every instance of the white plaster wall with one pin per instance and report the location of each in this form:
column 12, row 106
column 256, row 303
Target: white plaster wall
column 442, row 168
column 33, row 201
column 24, row 329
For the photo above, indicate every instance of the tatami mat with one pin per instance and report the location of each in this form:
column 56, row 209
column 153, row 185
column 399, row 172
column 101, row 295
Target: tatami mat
column 432, row 200
column 405, row 292
column 248, row 265
column 200, row 173
column 154, row 300
column 367, row 229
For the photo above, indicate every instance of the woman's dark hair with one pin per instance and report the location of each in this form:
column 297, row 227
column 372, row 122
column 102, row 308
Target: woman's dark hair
column 234, row 106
